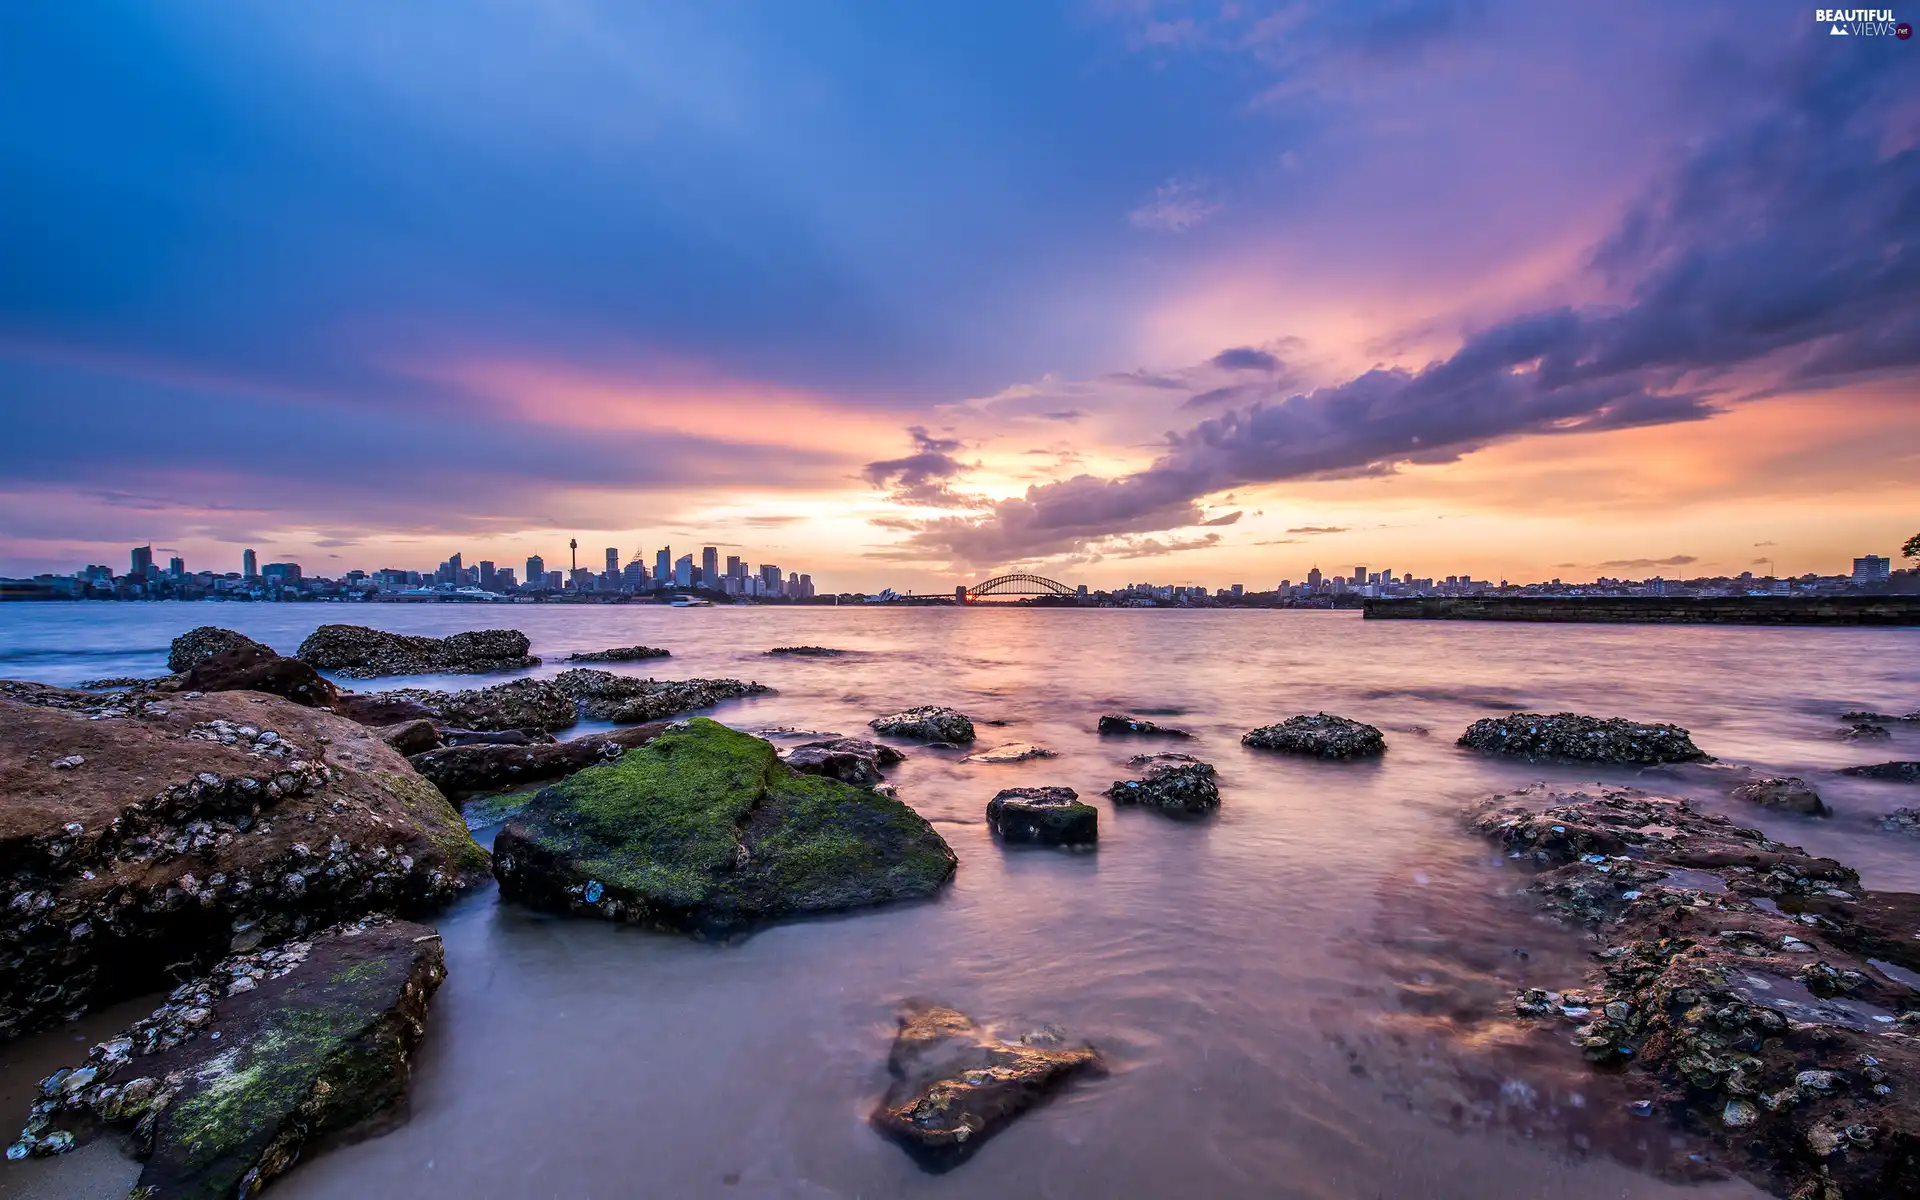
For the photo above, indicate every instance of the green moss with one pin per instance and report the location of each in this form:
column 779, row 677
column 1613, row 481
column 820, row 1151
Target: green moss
column 440, row 823
column 708, row 823
column 483, row 812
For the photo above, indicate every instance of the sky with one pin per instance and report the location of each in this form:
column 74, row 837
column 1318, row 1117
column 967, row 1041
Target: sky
column 913, row 294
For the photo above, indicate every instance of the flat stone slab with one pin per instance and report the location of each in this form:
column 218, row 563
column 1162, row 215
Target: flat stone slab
column 1009, row 752
column 1120, row 723
column 955, row 1085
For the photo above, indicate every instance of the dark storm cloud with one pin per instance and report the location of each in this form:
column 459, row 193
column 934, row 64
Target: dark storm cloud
column 1790, row 240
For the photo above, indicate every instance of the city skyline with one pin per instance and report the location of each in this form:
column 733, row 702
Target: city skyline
column 813, row 285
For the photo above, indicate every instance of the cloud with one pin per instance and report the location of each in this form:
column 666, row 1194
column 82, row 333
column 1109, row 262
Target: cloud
column 922, row 478
column 1785, row 244
column 1761, row 562
column 1070, row 414
column 1317, row 529
column 1222, row 395
column 929, row 444
column 1175, row 207
column 1245, row 358
column 1228, row 519
column 770, row 522
column 1757, row 544
column 1676, row 560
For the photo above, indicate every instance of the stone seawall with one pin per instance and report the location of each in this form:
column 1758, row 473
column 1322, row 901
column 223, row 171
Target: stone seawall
column 1657, row 610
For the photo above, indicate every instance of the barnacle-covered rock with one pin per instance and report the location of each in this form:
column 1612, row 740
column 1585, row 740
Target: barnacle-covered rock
column 361, row 653
column 1581, row 738
column 1319, row 735
column 927, row 723
column 1173, row 783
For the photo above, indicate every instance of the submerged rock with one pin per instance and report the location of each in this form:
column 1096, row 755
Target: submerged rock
column 195, row 646
column 954, row 1085
column 1115, row 723
column 1582, row 738
column 1789, row 792
column 1865, row 731
column 361, row 653
column 1051, row 816
column 705, row 829
column 1010, row 752
column 1321, row 735
column 928, row 723
column 536, row 704
column 244, row 1069
column 850, row 760
column 460, row 771
column 626, row 700
column 193, row 823
column 255, row 668
column 808, row 651
column 619, row 654
column 1169, row 782
column 1899, row 772
column 1735, row 976
column 1902, row 820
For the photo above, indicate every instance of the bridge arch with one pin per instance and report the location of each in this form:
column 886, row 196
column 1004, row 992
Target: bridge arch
column 1018, row 584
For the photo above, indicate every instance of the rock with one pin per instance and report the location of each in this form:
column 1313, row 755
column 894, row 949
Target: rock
column 1789, row 792
column 495, row 737
column 1705, row 985
column 1116, row 723
column 379, row 709
column 248, row 1067
column 195, row 646
column 254, row 668
column 192, row 822
column 850, row 760
column 1170, row 783
column 410, row 737
column 808, row 651
column 1900, row 820
column 1010, row 752
column 537, row 704
column 361, row 653
column 1899, row 772
column 927, row 723
column 954, row 1086
column 619, row 654
column 625, row 700
column 1865, row 731
column 1582, row 738
column 1051, row 816
column 460, row 771
column 1321, row 736
column 705, row 829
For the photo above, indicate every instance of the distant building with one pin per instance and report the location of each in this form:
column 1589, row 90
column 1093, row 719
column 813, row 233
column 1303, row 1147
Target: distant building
column 503, row 579
column 769, row 579
column 177, row 567
column 662, row 565
column 536, row 570
column 488, row 579
column 284, row 572
column 683, row 571
column 710, row 566
column 806, row 587
column 1871, row 569
column 249, row 565
column 454, row 564
column 1080, row 592
column 1313, row 579
column 1239, row 589
column 613, row 562
column 554, row 581
column 582, row 580
column 735, row 568
column 142, row 567
column 1359, row 576
column 634, row 575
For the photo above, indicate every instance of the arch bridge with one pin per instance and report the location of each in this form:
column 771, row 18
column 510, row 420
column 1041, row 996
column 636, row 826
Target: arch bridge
column 1015, row 585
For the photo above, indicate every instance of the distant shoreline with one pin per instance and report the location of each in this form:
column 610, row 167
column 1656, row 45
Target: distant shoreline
column 1657, row 610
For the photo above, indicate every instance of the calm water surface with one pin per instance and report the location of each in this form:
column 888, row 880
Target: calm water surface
column 1294, row 995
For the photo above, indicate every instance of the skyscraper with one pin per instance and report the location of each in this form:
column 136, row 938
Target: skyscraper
column 250, row 565
column 735, row 568
column 486, row 575
column 613, row 562
column 1359, row 576
column 683, row 571
column 662, row 565
column 454, row 566
column 142, row 562
column 1313, row 580
column 770, row 579
column 536, row 571
column 177, row 567
column 710, row 566
column 1870, row 569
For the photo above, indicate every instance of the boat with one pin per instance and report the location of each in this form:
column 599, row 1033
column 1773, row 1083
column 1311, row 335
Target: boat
column 689, row 602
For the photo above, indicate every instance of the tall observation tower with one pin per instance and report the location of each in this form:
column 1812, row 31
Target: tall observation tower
column 573, row 546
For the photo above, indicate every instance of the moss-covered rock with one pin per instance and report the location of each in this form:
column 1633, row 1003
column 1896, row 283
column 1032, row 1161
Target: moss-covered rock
column 705, row 829
column 228, row 1082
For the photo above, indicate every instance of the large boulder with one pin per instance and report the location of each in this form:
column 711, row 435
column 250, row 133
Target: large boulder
column 1789, row 793
column 1120, row 723
column 411, row 737
column 1171, row 783
column 255, row 668
column 850, row 760
column 625, row 700
column 139, row 834
column 361, row 653
column 705, row 829
column 1581, row 738
column 461, row 771
column 197, row 645
column 619, row 654
column 1051, row 816
column 241, row 1071
column 1319, row 735
column 955, row 1085
column 517, row 704
column 927, row 723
